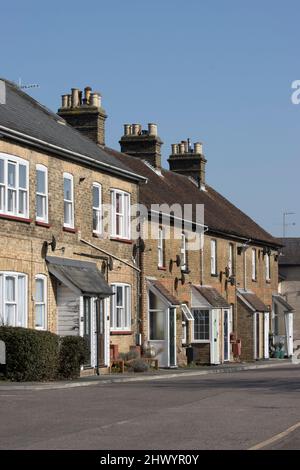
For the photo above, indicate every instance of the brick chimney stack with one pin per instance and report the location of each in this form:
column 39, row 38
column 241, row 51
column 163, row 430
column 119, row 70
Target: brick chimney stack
column 84, row 112
column 143, row 144
column 189, row 161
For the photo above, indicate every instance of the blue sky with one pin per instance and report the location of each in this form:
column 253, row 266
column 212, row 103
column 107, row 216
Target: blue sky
column 211, row 70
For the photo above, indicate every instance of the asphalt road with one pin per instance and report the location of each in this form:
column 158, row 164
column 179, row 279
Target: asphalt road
column 223, row 411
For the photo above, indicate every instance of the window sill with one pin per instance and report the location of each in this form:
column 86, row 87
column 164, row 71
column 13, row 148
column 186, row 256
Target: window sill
column 124, row 332
column 121, row 240
column 42, row 224
column 268, row 281
column 161, row 268
column 185, row 271
column 98, row 235
column 254, row 280
column 15, row 218
column 214, row 275
column 69, row 229
column 201, row 341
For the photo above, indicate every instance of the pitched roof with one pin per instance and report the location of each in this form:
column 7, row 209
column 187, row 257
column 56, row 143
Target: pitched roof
column 290, row 252
column 21, row 113
column 220, row 215
column 283, row 302
column 165, row 292
column 255, row 303
column 213, row 297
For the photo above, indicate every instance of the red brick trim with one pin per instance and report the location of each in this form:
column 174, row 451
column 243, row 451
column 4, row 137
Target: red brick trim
column 122, row 240
column 16, row 219
column 161, row 268
column 121, row 333
column 42, row 224
column 69, row 230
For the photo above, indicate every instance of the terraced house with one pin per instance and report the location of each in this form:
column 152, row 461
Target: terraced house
column 59, row 265
column 70, row 262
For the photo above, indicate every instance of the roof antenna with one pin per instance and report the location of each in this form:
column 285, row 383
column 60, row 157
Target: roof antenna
column 24, row 87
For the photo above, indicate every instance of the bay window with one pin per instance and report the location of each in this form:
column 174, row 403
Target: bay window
column 13, row 186
column 120, row 202
column 41, row 193
column 68, row 201
column 97, row 204
column 40, row 302
column 13, row 299
column 121, row 307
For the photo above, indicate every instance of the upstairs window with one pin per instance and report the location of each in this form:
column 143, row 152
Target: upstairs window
column 97, row 204
column 120, row 202
column 268, row 267
column 13, row 299
column 254, row 268
column 42, row 193
column 161, row 247
column 230, row 260
column 213, row 257
column 183, row 252
column 68, row 201
column 13, row 186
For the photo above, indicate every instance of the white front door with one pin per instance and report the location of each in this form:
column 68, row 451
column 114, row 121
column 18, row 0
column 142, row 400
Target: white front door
column 266, row 334
column 226, row 335
column 289, row 333
column 215, row 337
column 90, row 329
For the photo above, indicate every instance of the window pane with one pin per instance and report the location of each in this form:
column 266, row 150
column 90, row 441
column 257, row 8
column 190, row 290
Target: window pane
column 39, row 316
column 157, row 330
column 10, row 289
column 120, row 314
column 1, row 171
column 11, row 175
column 201, row 324
column 22, row 202
column 41, row 181
column 10, row 315
column 68, row 213
column 96, row 196
column 119, row 205
column 67, row 189
column 11, row 200
column 40, row 206
column 22, row 177
column 39, row 290
column 120, row 296
column 2, row 198
column 21, row 320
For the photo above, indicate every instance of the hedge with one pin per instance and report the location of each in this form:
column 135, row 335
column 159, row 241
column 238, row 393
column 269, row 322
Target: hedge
column 33, row 355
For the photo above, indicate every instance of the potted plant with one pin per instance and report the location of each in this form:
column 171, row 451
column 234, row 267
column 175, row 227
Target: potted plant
column 281, row 350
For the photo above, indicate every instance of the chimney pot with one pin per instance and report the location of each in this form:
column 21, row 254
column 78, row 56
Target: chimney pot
column 136, row 129
column 75, row 98
column 127, row 129
column 64, row 101
column 198, row 148
column 186, row 146
column 174, row 149
column 181, row 147
column 152, row 129
column 95, row 100
column 87, row 94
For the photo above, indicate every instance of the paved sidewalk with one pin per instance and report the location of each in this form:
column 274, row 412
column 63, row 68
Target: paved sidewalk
column 146, row 376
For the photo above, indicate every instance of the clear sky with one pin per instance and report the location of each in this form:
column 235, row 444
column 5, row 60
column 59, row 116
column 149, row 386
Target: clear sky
column 212, row 70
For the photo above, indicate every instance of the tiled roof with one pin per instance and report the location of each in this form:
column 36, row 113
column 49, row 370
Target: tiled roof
column 283, row 302
column 165, row 293
column 290, row 252
column 220, row 215
column 213, row 297
column 255, row 302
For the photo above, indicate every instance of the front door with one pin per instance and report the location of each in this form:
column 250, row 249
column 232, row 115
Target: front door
column 172, row 337
column 226, row 335
column 100, row 316
column 89, row 329
column 257, row 352
column 215, row 337
column 289, row 333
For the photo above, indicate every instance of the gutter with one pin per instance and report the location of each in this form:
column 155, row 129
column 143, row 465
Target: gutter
column 78, row 157
column 243, row 239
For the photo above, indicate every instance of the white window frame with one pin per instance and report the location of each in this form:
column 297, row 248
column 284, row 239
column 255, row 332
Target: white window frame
column 161, row 247
column 230, row 259
column 126, row 307
column 44, row 196
column 17, row 190
column 268, row 266
column 254, row 264
column 187, row 316
column 97, row 210
column 124, row 216
column 3, row 302
column 68, row 176
column 44, row 303
column 213, row 256
column 194, row 340
column 183, row 252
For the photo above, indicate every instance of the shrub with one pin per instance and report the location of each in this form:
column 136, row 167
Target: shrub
column 31, row 355
column 73, row 353
column 128, row 356
column 138, row 365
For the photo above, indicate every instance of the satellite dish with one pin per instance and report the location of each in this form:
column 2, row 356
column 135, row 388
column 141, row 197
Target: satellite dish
column 178, row 260
column 142, row 245
column 103, row 267
column 52, row 243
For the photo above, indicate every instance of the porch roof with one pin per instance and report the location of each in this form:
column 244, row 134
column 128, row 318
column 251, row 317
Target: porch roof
column 253, row 301
column 165, row 292
column 283, row 302
column 81, row 276
column 212, row 296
